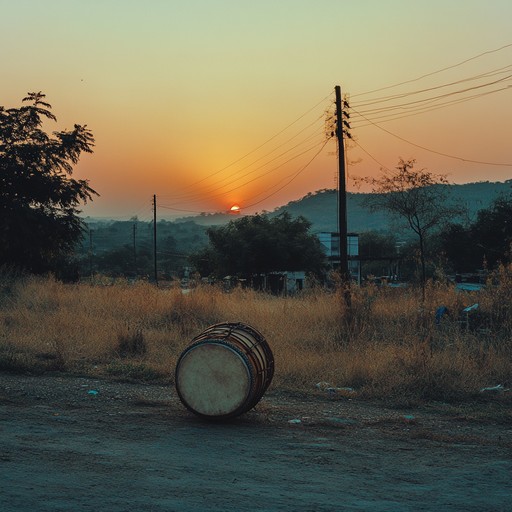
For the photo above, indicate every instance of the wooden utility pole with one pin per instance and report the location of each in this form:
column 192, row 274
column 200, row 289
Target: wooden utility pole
column 134, row 247
column 154, row 239
column 90, row 252
column 342, row 191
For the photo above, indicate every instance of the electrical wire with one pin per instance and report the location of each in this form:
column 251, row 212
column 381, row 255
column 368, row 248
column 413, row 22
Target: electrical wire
column 435, row 72
column 441, row 96
column 417, row 111
column 291, row 179
column 225, row 192
column 500, row 164
column 384, row 99
column 383, row 111
column 263, row 143
column 232, row 178
column 382, row 166
column 165, row 207
column 209, row 191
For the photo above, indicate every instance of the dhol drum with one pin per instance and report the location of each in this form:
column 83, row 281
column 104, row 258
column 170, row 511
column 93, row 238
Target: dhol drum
column 225, row 371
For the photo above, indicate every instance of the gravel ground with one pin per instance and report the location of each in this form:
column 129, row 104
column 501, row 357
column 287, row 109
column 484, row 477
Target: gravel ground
column 82, row 444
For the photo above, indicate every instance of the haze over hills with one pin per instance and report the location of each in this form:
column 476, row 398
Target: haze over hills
column 110, row 244
column 320, row 207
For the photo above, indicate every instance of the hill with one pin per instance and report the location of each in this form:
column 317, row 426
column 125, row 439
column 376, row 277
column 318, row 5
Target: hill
column 320, row 208
column 180, row 237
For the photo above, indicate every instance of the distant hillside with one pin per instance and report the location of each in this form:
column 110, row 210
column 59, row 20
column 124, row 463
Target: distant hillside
column 320, row 208
column 176, row 239
column 209, row 219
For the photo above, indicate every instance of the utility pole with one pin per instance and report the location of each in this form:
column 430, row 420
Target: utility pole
column 154, row 239
column 342, row 191
column 134, row 247
column 90, row 252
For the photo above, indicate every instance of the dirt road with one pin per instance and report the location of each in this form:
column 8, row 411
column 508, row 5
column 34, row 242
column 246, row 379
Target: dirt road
column 80, row 444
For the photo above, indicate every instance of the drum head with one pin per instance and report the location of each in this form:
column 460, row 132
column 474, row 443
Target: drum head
column 213, row 379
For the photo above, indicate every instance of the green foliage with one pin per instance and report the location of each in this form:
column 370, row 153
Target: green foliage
column 456, row 243
column 39, row 223
column 259, row 244
column 125, row 248
column 320, row 207
column 485, row 241
column 492, row 231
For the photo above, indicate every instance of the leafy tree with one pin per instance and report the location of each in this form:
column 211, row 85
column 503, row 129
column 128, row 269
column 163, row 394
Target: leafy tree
column 39, row 223
column 116, row 262
column 487, row 239
column 456, row 243
column 259, row 244
column 413, row 196
column 492, row 232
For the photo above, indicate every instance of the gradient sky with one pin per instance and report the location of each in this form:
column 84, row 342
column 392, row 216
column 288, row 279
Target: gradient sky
column 211, row 103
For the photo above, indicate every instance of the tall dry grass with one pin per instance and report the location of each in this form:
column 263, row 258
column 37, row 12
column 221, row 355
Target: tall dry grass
column 388, row 346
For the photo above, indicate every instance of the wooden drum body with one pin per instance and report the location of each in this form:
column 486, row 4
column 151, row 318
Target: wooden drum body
column 224, row 371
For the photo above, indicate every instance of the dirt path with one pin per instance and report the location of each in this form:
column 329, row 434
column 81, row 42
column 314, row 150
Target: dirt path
column 79, row 444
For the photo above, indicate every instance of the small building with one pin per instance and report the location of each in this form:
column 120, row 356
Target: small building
column 280, row 282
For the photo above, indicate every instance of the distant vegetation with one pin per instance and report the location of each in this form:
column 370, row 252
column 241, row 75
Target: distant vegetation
column 320, row 207
column 125, row 248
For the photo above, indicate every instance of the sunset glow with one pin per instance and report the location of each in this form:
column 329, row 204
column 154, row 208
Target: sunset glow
column 207, row 104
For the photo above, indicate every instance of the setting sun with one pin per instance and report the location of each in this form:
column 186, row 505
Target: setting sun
column 234, row 209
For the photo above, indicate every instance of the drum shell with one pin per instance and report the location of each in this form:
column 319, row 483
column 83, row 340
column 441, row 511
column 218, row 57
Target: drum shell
column 224, row 371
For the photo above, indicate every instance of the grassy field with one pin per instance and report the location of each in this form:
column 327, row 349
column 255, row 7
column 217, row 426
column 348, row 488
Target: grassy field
column 388, row 346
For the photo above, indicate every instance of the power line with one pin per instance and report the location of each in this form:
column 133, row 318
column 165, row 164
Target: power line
column 393, row 116
column 382, row 166
column 435, row 72
column 263, row 143
column 441, row 96
column 437, row 152
column 385, row 99
column 225, row 192
column 291, row 179
column 232, row 182
column 233, row 178
column 178, row 209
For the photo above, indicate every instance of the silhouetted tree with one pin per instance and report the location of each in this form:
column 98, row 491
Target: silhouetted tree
column 116, row 262
column 413, row 195
column 488, row 239
column 456, row 243
column 492, row 232
column 260, row 244
column 39, row 223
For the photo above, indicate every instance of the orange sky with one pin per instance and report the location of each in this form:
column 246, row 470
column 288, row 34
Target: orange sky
column 212, row 103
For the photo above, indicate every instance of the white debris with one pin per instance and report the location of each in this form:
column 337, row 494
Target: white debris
column 494, row 389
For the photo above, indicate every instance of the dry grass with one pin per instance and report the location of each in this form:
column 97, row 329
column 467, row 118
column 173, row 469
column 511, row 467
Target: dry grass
column 389, row 347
